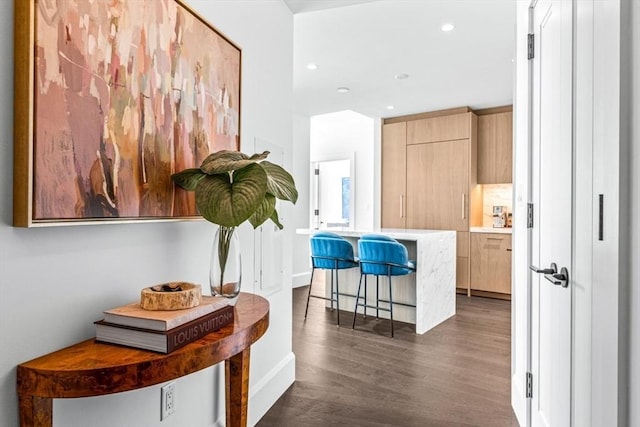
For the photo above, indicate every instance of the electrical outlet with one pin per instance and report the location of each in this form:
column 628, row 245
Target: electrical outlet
column 167, row 400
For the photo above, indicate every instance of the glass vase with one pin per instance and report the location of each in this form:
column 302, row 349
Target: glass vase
column 225, row 275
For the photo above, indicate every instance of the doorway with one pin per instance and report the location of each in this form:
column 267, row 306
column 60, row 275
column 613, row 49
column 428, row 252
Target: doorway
column 333, row 204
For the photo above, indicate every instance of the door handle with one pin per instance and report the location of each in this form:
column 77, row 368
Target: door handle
column 553, row 269
column 552, row 275
column 559, row 279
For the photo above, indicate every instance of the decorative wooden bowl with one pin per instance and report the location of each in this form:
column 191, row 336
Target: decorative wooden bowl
column 171, row 296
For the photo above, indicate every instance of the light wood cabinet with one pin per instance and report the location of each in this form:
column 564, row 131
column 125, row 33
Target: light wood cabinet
column 491, row 262
column 394, row 175
column 438, row 194
column 438, row 185
column 431, row 165
column 438, row 160
column 462, row 260
column 437, row 129
column 495, row 148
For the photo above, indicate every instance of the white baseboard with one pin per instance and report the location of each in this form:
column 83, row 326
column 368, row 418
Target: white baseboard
column 269, row 389
column 300, row 279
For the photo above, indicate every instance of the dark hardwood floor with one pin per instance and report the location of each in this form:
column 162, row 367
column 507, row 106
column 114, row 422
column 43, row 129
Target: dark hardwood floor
column 457, row 374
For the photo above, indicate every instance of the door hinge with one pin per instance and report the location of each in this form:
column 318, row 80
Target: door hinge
column 317, row 171
column 529, row 215
column 529, row 391
column 530, row 45
column 316, row 212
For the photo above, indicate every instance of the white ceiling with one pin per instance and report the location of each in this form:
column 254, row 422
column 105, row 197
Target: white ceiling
column 364, row 44
column 301, row 6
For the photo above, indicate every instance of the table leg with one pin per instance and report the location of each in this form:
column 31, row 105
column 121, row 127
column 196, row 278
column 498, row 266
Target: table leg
column 35, row 411
column 237, row 388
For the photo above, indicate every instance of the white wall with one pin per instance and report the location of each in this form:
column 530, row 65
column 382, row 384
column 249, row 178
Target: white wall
column 625, row 327
column 334, row 135
column 301, row 173
column 344, row 133
column 54, row 282
column 634, row 202
column 608, row 276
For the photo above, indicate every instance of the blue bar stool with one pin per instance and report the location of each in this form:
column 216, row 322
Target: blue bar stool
column 330, row 251
column 381, row 256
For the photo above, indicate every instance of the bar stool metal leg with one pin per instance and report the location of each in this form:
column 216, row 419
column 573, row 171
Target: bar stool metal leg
column 390, row 305
column 337, row 296
column 377, row 298
column 365, row 298
column 355, row 311
column 306, row 310
column 332, row 292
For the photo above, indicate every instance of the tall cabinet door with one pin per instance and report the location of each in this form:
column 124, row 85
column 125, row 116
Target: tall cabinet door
column 487, row 149
column 504, row 147
column 394, row 175
column 495, row 148
column 438, row 185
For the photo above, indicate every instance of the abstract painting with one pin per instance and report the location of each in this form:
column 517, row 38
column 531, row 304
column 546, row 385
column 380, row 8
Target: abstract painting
column 112, row 97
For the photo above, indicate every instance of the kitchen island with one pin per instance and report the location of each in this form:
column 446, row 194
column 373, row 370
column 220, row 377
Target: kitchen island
column 432, row 288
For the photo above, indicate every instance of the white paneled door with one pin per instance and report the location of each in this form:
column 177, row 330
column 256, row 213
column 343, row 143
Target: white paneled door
column 552, row 220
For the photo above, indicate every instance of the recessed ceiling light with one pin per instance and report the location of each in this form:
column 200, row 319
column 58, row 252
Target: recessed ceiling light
column 390, row 107
column 343, row 89
column 401, row 76
column 312, row 66
column 447, row 27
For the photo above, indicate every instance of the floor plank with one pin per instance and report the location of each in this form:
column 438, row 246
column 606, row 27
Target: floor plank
column 457, row 374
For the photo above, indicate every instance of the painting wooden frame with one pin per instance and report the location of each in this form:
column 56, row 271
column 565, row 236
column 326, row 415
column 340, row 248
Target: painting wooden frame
column 111, row 98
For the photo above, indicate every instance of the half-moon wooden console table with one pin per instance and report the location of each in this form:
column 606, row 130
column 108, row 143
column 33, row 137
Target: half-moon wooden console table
column 95, row 369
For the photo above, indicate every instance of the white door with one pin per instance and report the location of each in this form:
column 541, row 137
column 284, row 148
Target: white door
column 552, row 222
column 334, row 193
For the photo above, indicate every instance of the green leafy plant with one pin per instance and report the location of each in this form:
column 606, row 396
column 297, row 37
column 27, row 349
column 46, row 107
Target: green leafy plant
column 232, row 187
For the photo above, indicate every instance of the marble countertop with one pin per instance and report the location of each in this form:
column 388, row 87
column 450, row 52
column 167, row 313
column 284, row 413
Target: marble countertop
column 401, row 233
column 396, row 233
column 505, row 230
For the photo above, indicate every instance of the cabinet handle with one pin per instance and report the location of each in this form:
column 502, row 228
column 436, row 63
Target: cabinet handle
column 464, row 213
column 402, row 206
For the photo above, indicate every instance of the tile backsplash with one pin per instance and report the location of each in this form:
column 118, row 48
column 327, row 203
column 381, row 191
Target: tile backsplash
column 495, row 195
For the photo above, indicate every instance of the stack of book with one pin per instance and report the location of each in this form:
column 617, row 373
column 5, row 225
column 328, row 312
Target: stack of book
column 163, row 331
